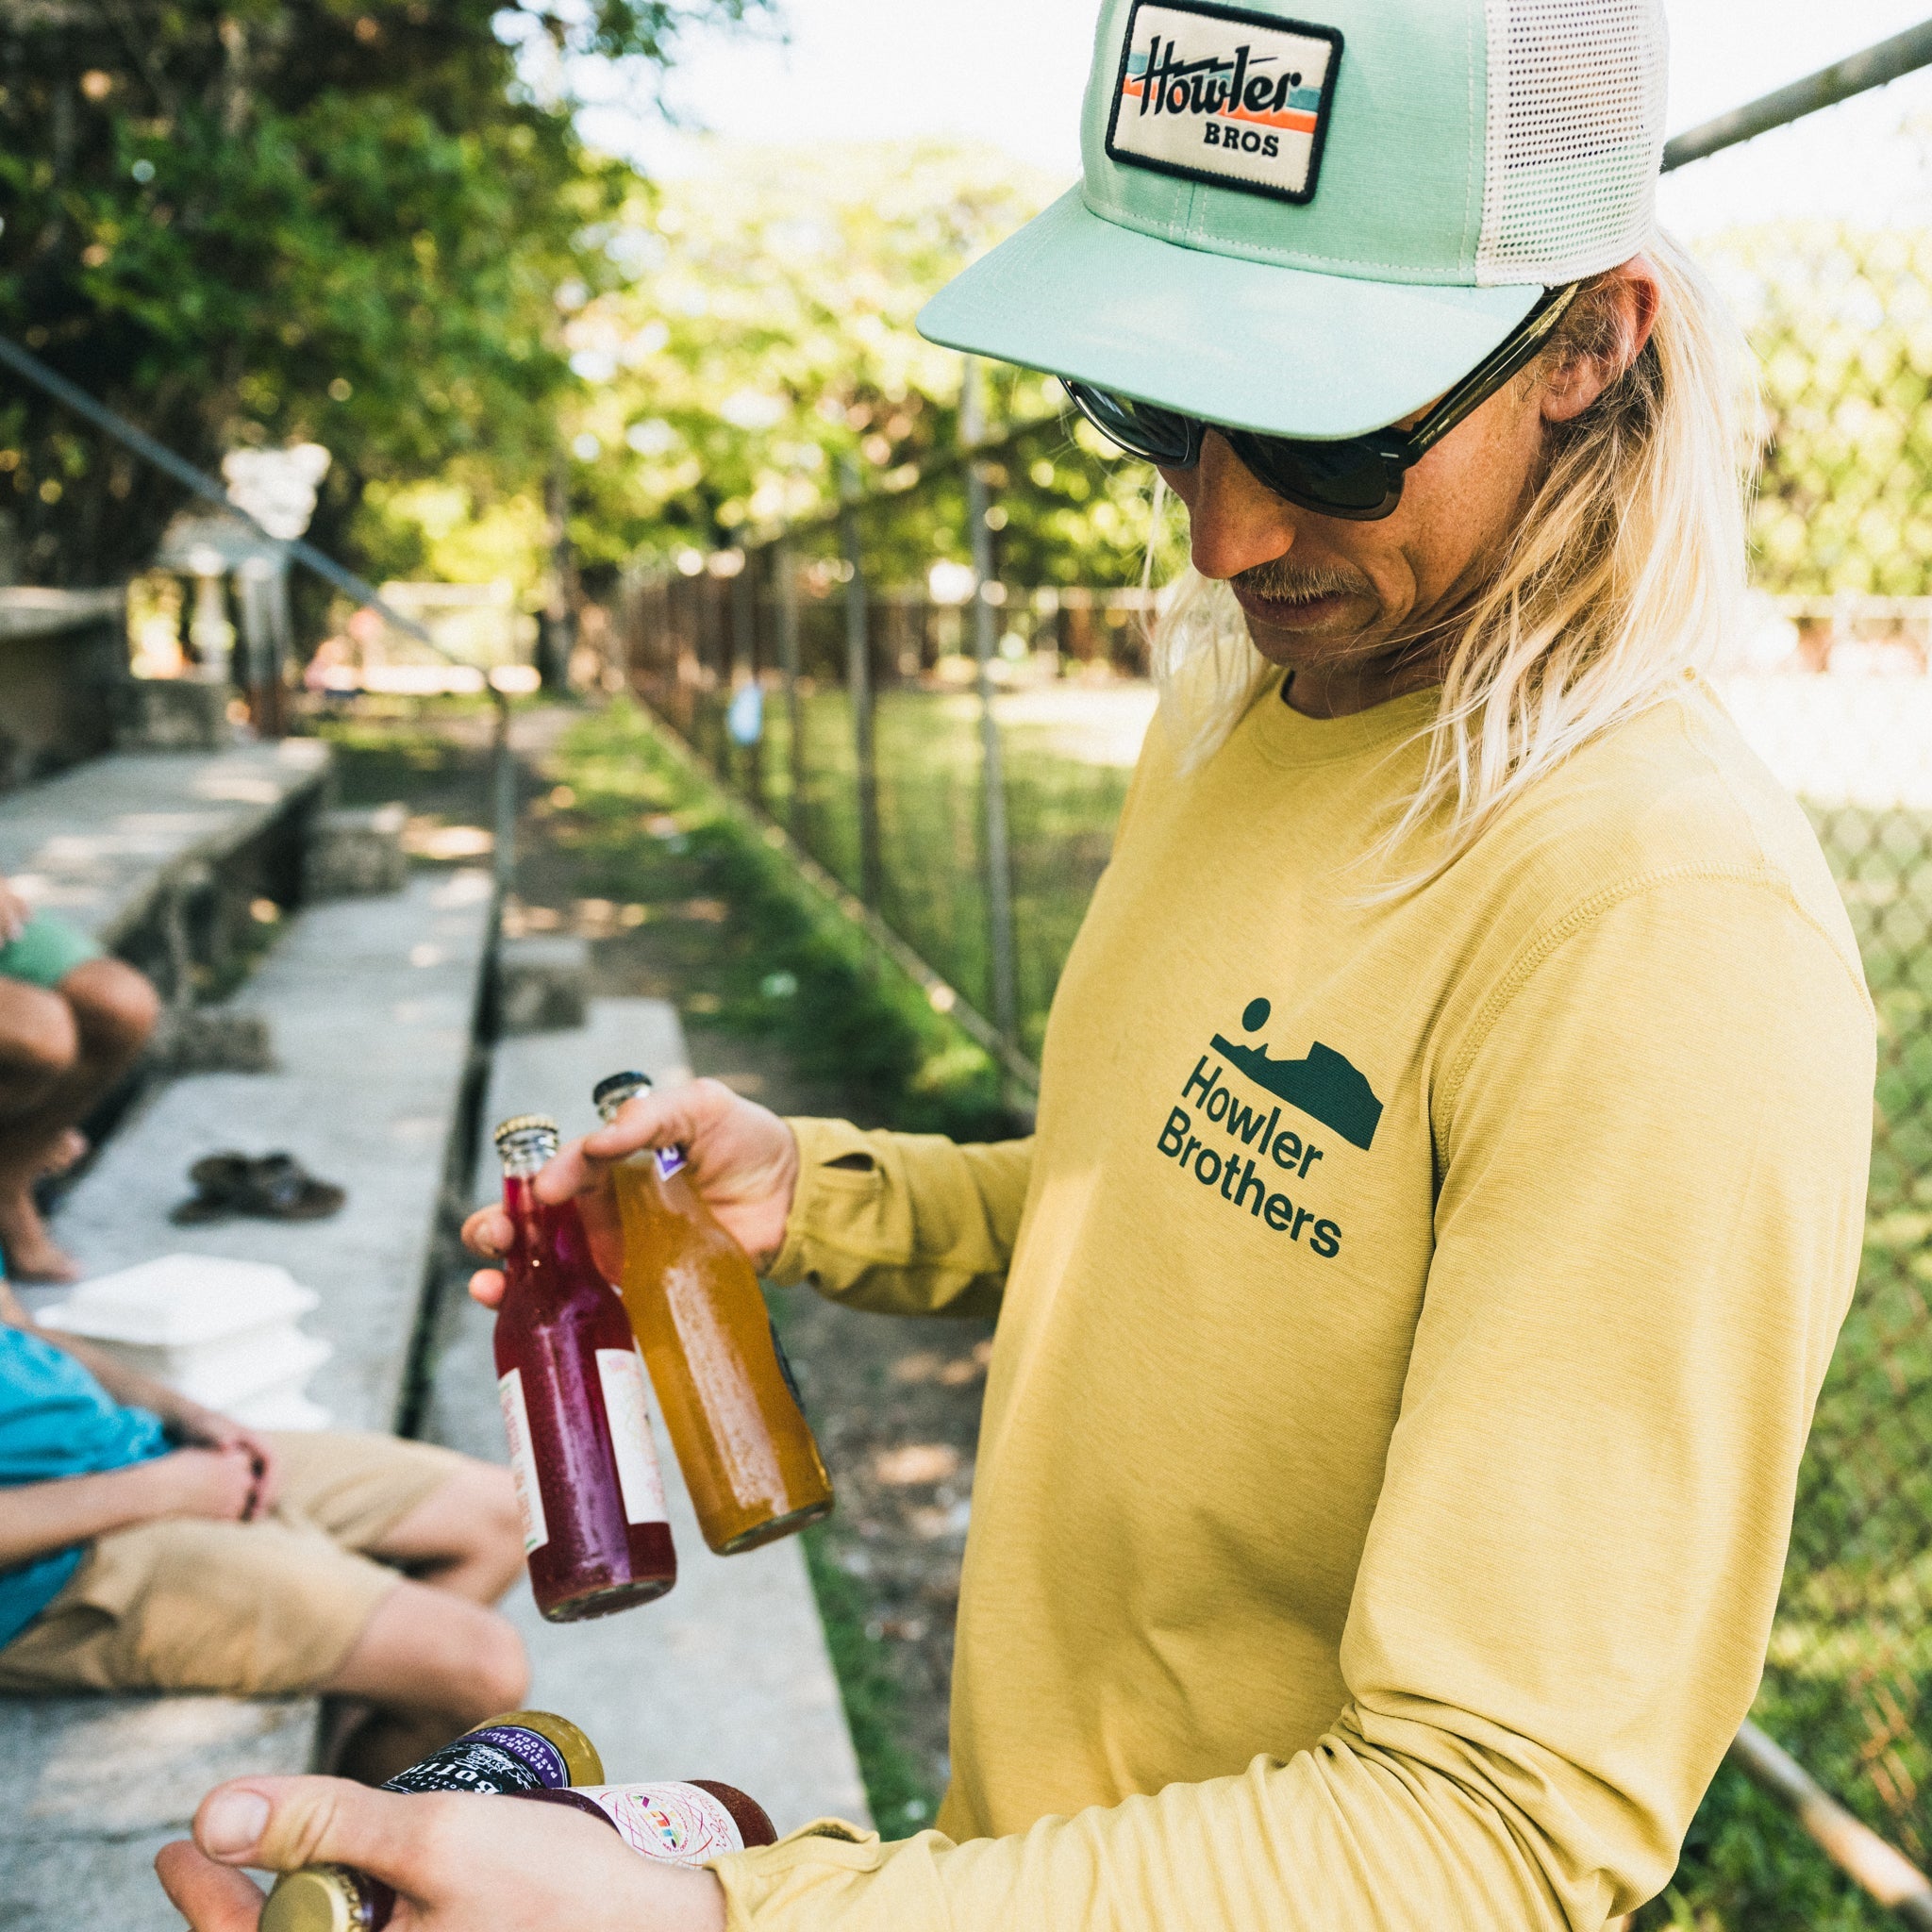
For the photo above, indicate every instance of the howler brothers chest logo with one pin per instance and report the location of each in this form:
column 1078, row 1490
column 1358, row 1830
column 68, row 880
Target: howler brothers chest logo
column 1219, row 94
column 1236, row 1144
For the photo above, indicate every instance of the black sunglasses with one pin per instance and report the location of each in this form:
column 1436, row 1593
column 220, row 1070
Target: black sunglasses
column 1359, row 478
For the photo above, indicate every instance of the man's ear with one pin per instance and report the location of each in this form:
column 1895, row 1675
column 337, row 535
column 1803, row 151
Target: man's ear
column 1617, row 314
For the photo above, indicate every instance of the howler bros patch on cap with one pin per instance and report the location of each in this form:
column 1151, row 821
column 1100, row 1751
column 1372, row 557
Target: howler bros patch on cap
column 1219, row 94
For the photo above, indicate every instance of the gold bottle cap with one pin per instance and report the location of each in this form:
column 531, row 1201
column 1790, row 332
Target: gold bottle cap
column 524, row 1124
column 578, row 1754
column 318, row 1898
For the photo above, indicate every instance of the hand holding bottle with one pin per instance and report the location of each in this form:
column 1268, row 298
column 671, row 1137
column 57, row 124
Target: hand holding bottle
column 741, row 1158
column 456, row 1863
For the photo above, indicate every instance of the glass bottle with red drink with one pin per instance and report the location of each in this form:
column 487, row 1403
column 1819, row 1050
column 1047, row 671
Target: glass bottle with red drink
column 596, row 1532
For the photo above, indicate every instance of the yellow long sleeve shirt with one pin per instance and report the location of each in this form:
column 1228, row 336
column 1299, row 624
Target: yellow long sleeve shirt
column 1412, row 1315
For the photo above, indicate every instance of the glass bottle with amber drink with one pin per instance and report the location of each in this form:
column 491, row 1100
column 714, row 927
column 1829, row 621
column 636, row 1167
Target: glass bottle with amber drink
column 747, row 1452
column 596, row 1533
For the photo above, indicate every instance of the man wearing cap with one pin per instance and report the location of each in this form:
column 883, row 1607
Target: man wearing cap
column 1450, row 1167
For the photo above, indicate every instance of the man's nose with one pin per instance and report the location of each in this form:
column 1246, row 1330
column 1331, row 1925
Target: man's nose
column 1236, row 522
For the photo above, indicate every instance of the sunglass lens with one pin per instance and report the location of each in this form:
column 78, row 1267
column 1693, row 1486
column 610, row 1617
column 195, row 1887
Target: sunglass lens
column 1142, row 429
column 1344, row 479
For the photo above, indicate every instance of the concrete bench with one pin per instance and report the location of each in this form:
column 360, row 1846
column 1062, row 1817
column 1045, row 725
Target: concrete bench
column 157, row 854
column 728, row 1675
column 371, row 1006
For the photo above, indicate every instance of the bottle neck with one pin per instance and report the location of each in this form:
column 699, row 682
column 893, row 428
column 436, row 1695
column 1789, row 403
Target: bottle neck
column 550, row 1251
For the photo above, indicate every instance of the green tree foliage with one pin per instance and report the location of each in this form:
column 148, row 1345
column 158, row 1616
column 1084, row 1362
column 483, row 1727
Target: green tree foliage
column 762, row 338
column 1840, row 317
column 254, row 221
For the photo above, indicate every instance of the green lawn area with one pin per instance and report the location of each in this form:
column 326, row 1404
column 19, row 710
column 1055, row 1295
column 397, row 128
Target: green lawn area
column 1060, row 813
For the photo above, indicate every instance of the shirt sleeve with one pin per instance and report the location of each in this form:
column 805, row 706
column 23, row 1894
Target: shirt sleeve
column 904, row 1223
column 1653, row 1162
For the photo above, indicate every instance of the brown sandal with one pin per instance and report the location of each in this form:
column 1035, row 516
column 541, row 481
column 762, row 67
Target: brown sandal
column 272, row 1187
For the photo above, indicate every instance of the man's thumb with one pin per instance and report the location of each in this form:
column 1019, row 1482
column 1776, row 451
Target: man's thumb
column 276, row 1823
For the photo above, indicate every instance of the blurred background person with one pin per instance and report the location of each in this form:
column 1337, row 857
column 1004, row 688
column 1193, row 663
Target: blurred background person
column 72, row 1022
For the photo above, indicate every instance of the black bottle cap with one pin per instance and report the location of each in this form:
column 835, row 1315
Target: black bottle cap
column 620, row 1087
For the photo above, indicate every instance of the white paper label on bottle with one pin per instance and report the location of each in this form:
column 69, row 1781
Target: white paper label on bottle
column 678, row 1823
column 523, row 1460
column 638, row 1477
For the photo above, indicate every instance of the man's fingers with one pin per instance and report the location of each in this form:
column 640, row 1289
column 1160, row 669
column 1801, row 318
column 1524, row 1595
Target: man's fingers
column 210, row 1897
column 568, row 1173
column 488, row 1232
column 654, row 1119
column 278, row 1823
column 487, row 1286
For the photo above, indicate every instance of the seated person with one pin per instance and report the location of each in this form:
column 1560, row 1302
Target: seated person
column 72, row 1022
column 147, row 1544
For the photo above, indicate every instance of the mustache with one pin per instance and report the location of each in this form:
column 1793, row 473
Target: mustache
column 1284, row 582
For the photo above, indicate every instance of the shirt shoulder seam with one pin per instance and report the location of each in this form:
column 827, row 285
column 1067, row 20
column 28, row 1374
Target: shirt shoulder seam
column 1591, row 909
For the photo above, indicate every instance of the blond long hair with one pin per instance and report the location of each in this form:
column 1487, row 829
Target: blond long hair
column 1624, row 572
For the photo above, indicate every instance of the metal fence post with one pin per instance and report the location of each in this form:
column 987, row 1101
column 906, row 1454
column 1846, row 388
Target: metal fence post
column 859, row 682
column 786, row 565
column 999, row 861
column 744, row 671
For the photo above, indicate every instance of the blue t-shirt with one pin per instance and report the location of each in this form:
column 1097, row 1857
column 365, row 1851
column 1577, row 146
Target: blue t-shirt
column 57, row 1420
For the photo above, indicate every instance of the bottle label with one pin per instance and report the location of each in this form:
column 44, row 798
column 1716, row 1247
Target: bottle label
column 495, row 1760
column 670, row 1161
column 677, row 1823
column 621, row 1373
column 522, row 1460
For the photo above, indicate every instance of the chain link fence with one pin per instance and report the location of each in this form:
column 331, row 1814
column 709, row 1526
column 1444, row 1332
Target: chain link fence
column 1833, row 691
column 857, row 683
column 874, row 683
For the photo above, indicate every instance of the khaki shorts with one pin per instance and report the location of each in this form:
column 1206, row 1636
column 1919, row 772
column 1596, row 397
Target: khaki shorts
column 256, row 1609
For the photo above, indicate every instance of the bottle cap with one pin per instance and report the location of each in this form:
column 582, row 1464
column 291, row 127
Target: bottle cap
column 318, row 1898
column 610, row 1092
column 579, row 1755
column 525, row 1141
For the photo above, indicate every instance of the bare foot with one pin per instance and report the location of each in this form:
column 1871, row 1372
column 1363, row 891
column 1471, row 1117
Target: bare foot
column 32, row 1253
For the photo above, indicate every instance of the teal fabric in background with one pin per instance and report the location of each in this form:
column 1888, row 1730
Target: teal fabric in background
column 47, row 950
column 57, row 1420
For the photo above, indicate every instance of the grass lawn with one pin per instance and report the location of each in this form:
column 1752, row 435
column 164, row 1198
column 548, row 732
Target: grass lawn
column 1065, row 786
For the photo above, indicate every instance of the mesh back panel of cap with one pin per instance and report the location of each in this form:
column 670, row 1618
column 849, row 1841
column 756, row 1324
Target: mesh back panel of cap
column 1575, row 134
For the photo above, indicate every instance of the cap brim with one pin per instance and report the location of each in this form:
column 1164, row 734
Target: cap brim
column 1284, row 351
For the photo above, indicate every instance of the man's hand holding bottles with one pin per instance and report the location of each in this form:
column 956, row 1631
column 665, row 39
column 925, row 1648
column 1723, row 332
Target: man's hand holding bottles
column 741, row 1158
column 454, row 1862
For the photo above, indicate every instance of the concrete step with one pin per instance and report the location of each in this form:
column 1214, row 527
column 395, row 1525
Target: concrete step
column 727, row 1676
column 354, row 853
column 371, row 1003
column 103, row 843
column 542, row 983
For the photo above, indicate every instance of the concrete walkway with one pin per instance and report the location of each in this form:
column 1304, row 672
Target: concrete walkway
column 727, row 1676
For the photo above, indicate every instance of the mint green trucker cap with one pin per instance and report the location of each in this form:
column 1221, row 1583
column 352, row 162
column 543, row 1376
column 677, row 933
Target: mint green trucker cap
column 1313, row 227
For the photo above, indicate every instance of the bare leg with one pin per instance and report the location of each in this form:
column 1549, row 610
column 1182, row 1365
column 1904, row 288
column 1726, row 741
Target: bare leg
column 465, row 1537
column 465, row 1545
column 433, row 1665
column 59, row 1052
column 40, row 1048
